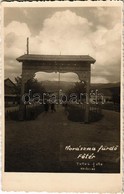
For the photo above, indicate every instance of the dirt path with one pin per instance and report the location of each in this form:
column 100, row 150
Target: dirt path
column 35, row 145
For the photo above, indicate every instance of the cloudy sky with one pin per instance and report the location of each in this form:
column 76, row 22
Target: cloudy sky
column 95, row 31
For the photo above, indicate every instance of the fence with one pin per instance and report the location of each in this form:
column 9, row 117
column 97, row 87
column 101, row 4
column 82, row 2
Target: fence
column 76, row 113
column 31, row 112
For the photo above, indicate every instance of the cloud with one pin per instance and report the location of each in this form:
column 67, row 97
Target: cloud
column 108, row 53
column 15, row 38
column 67, row 33
column 107, row 16
column 98, row 79
column 64, row 32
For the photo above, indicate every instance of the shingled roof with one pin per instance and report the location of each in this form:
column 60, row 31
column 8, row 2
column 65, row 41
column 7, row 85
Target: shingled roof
column 32, row 57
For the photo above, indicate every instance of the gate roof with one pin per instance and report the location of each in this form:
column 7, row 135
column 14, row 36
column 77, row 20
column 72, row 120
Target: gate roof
column 71, row 58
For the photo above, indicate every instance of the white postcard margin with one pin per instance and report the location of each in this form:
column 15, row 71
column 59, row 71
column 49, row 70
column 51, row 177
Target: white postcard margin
column 60, row 182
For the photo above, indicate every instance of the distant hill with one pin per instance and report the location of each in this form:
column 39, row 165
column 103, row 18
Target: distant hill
column 107, row 89
column 108, row 85
column 111, row 90
column 53, row 85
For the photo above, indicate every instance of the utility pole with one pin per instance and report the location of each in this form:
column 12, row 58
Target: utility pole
column 59, row 83
column 27, row 45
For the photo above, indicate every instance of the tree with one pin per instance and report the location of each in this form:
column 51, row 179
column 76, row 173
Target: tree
column 32, row 84
column 115, row 95
column 80, row 87
column 18, row 81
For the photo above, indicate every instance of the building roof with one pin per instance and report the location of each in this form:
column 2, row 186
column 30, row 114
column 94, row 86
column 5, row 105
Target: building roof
column 32, row 57
column 9, row 82
column 10, row 87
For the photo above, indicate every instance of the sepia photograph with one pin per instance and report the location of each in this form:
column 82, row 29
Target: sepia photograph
column 62, row 89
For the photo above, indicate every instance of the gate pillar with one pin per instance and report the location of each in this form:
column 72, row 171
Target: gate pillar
column 85, row 76
column 26, row 75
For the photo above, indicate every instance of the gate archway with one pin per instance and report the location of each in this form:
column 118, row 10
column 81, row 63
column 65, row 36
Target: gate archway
column 79, row 64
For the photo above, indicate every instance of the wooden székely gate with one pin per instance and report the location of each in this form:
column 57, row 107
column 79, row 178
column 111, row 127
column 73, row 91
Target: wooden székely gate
column 79, row 64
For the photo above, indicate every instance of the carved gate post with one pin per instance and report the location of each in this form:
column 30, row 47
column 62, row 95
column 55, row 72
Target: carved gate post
column 85, row 76
column 26, row 75
column 22, row 107
column 87, row 110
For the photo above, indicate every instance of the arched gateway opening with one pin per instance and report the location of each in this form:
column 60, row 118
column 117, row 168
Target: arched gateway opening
column 79, row 64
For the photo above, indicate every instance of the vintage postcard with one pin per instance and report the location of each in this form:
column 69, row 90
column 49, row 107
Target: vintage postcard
column 62, row 95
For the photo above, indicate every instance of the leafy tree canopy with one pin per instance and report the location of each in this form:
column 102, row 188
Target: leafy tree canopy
column 32, row 84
